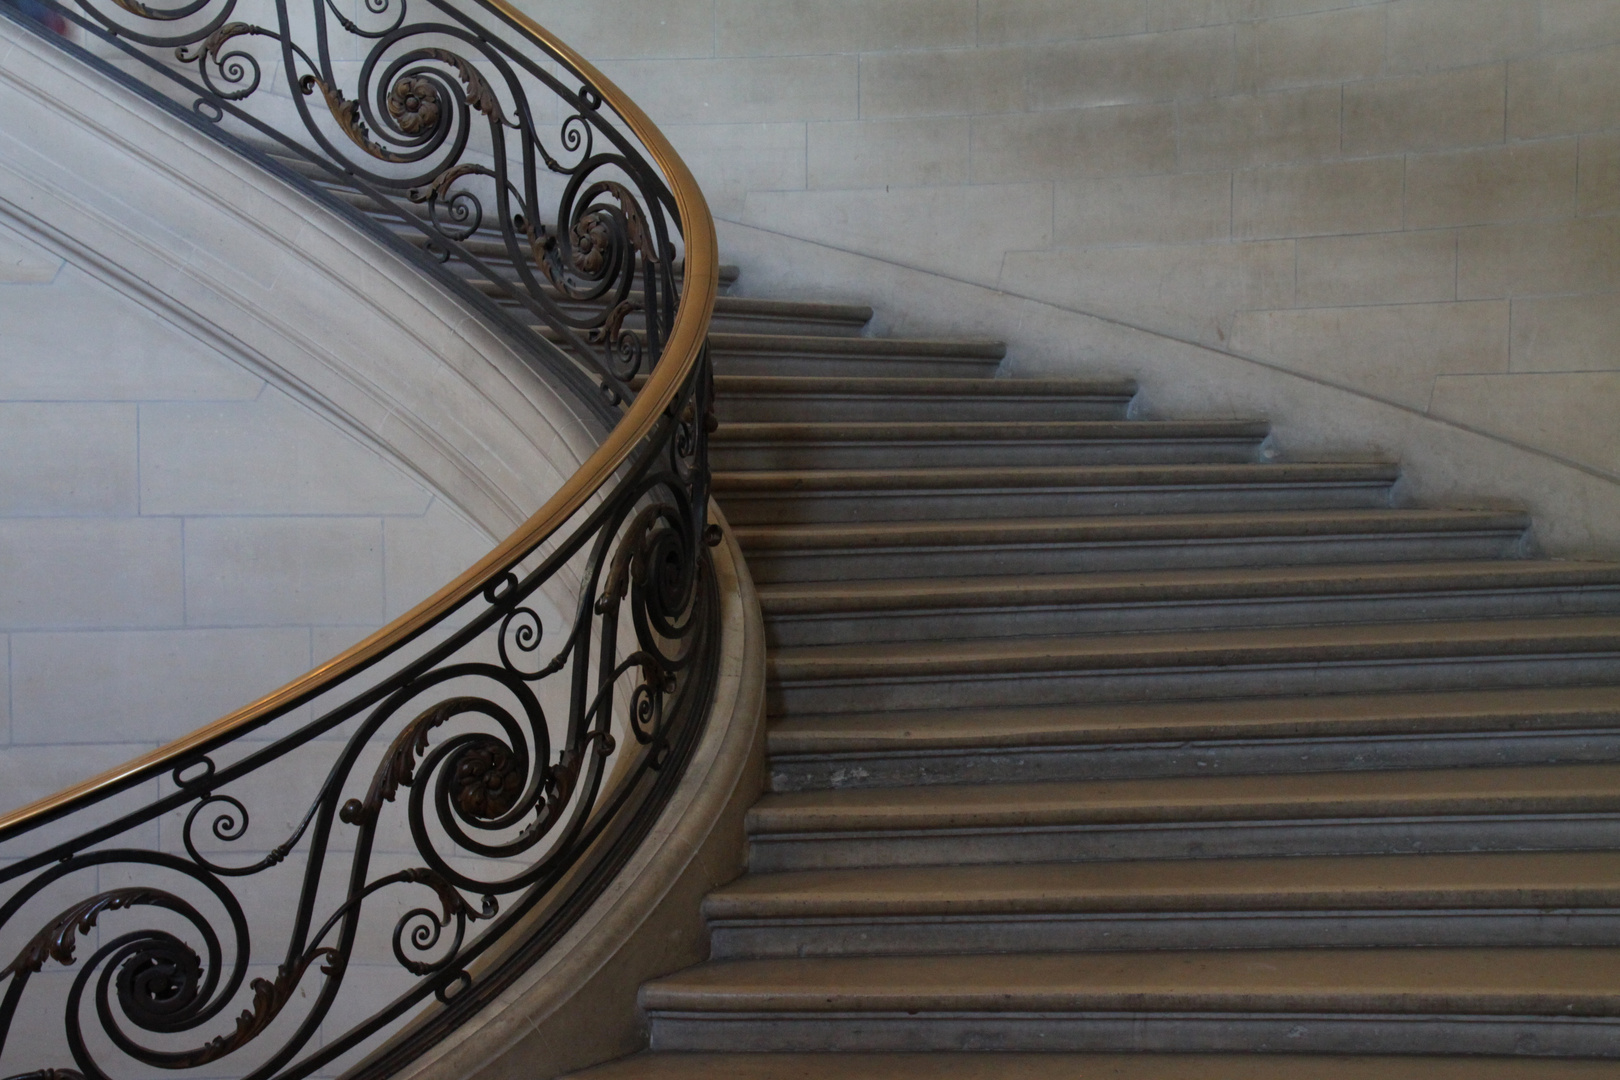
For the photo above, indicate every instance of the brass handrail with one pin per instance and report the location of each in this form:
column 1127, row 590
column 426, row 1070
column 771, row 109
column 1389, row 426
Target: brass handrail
column 685, row 346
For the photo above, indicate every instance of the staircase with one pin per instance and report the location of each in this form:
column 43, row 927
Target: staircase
column 1117, row 739
column 1107, row 746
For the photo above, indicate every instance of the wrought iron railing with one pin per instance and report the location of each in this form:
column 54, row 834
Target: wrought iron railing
column 333, row 878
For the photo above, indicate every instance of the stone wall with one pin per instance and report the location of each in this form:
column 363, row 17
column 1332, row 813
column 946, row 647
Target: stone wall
column 1414, row 200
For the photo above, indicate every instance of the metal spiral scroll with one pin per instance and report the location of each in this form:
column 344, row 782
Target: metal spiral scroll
column 523, row 762
column 439, row 123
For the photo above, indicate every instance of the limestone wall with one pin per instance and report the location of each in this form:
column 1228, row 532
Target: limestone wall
column 1413, row 200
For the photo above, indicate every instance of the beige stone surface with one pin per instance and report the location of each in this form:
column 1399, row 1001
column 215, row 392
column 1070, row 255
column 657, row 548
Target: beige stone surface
column 420, row 554
column 1600, row 174
column 24, row 262
column 1507, row 183
column 638, row 28
column 1326, row 47
column 86, row 573
column 746, row 90
column 1563, row 93
column 1579, row 24
column 1571, row 414
column 1124, row 139
column 1311, row 200
column 786, row 27
column 1013, row 22
column 1464, row 107
column 1382, row 268
column 1430, row 34
column 1567, row 333
column 1261, row 129
column 879, row 153
column 1167, row 209
column 950, row 82
column 268, row 571
column 730, row 160
column 1392, row 352
column 1528, row 259
column 1191, row 63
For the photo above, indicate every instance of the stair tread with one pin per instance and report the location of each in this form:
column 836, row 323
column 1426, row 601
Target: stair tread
column 988, row 1065
column 945, row 348
column 1497, row 982
column 1224, row 647
column 893, row 386
column 1527, row 789
column 1035, row 590
column 1122, row 527
column 982, row 431
column 1203, row 474
column 1497, row 880
column 1281, row 717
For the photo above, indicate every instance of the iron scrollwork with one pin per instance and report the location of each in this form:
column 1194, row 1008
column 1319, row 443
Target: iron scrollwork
column 480, row 782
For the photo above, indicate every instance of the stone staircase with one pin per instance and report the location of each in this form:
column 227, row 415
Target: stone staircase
column 1106, row 746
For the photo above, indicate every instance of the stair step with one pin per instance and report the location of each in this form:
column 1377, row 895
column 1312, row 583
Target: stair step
column 1406, row 656
column 1058, row 1066
column 1476, row 1001
column 1527, row 808
column 1196, row 738
column 740, row 446
column 816, row 613
column 845, row 495
column 804, row 398
column 743, row 316
column 1545, row 898
column 835, row 357
column 875, row 550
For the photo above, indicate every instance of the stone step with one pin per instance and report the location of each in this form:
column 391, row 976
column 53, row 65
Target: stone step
column 852, row 495
column 986, row 1065
column 1478, row 1001
column 741, row 315
column 842, row 358
column 1521, row 808
column 1514, row 898
column 741, row 446
column 1465, row 728
column 1407, row 656
column 769, row 398
column 1104, row 543
column 824, row 613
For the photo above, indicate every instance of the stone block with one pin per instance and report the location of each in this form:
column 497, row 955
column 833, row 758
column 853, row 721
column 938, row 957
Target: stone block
column 1190, row 290
column 84, row 573
column 270, row 456
column 1564, row 94
column 1567, row 333
column 1599, row 175
column 143, row 685
column 423, row 554
column 1393, row 353
column 1426, row 35
column 875, row 153
column 67, row 458
column 961, row 231
column 1302, row 50
column 638, row 27
column 789, row 27
column 126, row 353
column 1383, row 268
column 1260, row 129
column 956, row 82
column 1181, row 14
column 1016, row 22
column 730, row 160
column 1122, row 140
column 1142, row 67
column 267, row 571
column 1579, row 24
column 28, row 773
column 1170, row 209
column 1539, row 258
column 1310, row 200
column 1439, row 111
column 1569, row 415
column 23, row 262
column 747, row 90
column 1502, row 183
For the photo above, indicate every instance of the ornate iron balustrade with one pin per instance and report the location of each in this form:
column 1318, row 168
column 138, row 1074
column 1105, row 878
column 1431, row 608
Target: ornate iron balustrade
column 429, row 812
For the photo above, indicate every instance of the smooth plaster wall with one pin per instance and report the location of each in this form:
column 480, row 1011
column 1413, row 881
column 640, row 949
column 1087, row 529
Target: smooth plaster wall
column 1416, row 200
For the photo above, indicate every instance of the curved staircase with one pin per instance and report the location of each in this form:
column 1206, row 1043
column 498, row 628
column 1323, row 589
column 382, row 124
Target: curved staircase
column 1128, row 741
